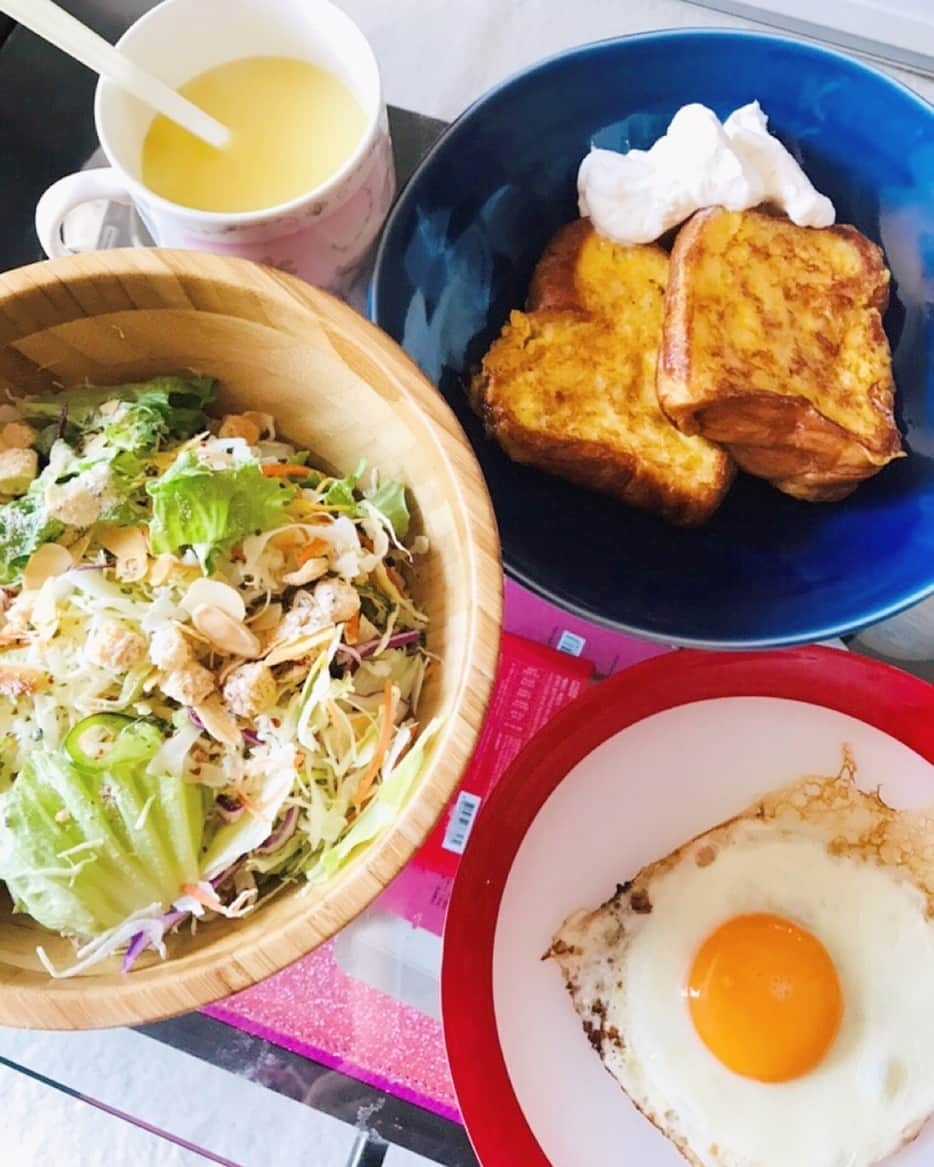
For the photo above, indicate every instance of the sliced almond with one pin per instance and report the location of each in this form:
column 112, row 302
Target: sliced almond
column 161, row 568
column 45, row 562
column 310, row 570
column 129, row 545
column 267, row 619
column 212, row 593
column 298, row 648
column 232, row 665
column 295, row 672
column 21, row 681
column 228, row 635
column 119, row 540
column 164, row 566
column 218, row 722
column 192, row 633
column 79, row 546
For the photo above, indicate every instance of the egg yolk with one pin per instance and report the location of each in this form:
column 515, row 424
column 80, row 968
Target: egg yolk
column 765, row 997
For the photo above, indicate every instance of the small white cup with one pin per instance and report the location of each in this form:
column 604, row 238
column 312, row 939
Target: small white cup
column 322, row 236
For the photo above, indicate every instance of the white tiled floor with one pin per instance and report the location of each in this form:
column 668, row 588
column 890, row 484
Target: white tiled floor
column 396, row 1157
column 209, row 1107
column 40, row 1125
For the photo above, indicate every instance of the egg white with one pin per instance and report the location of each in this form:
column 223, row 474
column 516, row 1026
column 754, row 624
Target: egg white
column 626, row 968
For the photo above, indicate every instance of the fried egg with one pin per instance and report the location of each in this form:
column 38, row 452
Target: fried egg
column 765, row 994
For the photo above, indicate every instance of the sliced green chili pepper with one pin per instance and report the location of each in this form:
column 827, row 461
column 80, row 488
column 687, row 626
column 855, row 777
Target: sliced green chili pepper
column 105, row 740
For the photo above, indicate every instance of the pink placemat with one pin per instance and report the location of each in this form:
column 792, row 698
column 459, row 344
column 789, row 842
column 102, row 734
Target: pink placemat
column 535, row 619
column 314, row 1007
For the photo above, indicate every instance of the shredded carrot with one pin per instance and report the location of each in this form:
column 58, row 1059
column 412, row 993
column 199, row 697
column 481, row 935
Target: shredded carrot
column 313, row 548
column 284, row 470
column 381, row 747
column 253, row 809
column 352, row 628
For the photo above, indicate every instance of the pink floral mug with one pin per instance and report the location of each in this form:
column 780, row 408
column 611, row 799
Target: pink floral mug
column 324, row 235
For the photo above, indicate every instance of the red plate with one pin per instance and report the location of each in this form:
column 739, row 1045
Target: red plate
column 530, row 1069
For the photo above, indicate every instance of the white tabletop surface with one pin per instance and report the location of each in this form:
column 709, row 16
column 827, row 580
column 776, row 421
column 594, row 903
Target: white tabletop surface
column 439, row 55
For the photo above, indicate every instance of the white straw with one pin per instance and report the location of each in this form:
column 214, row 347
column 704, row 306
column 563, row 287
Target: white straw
column 61, row 29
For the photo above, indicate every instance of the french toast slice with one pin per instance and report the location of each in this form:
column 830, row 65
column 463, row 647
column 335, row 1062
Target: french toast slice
column 773, row 345
column 569, row 386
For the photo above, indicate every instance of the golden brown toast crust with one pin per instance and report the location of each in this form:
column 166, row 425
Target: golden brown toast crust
column 773, row 345
column 569, row 385
column 554, row 283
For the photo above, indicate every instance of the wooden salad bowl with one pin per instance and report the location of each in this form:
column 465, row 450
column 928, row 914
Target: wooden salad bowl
column 340, row 387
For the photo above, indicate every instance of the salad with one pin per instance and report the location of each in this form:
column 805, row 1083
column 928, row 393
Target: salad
column 210, row 663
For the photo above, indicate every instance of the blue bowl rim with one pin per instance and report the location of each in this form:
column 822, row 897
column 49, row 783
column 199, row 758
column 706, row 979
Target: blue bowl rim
column 813, row 48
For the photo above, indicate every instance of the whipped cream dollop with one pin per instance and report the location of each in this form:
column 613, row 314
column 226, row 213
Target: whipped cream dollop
column 699, row 162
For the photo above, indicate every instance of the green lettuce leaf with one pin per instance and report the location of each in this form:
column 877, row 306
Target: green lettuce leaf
column 150, row 411
column 340, row 493
column 382, row 810
column 389, row 499
column 212, row 510
column 128, row 486
column 83, row 848
column 24, row 526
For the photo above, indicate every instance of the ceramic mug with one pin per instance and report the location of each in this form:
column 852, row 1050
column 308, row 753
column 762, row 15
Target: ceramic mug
column 324, row 235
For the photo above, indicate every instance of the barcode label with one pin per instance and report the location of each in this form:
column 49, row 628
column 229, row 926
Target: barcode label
column 457, row 831
column 571, row 643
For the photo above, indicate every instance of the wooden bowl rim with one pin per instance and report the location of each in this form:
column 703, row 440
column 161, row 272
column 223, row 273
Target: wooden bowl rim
column 169, row 988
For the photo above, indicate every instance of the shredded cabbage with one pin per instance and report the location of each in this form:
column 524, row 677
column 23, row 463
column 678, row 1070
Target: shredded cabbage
column 149, row 773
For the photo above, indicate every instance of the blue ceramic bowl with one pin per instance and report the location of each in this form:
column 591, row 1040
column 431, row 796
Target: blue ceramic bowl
column 457, row 255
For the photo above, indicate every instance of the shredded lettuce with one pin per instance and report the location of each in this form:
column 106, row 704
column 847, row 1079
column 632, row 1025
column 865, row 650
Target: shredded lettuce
column 340, row 492
column 82, row 848
column 211, row 510
column 389, row 500
column 24, row 526
column 149, row 412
